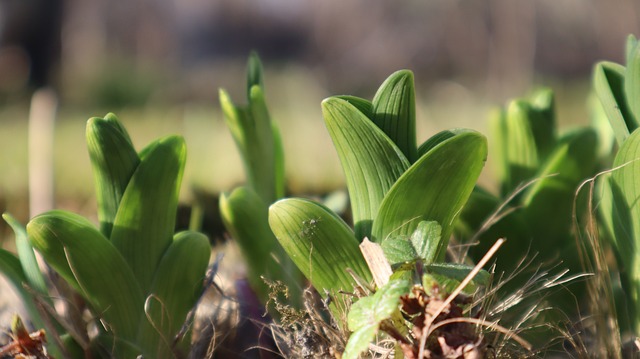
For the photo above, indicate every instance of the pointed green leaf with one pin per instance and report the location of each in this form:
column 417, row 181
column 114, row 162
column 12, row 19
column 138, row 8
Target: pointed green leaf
column 263, row 148
column 27, row 257
column 319, row 243
column 177, row 285
column 253, row 134
column 113, row 160
column 254, row 73
column 543, row 123
column 245, row 216
column 521, row 150
column 435, row 188
column 278, row 155
column 608, row 81
column 97, row 268
column 630, row 46
column 438, row 138
column 632, row 87
column 145, row 222
column 370, row 160
column 394, row 111
column 364, row 106
column 600, row 123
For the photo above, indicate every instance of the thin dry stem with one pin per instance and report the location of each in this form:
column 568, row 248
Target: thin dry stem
column 427, row 329
column 491, row 325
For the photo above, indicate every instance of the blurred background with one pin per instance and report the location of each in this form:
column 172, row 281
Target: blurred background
column 158, row 64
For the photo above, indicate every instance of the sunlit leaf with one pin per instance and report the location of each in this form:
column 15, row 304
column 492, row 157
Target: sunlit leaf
column 543, row 124
column 256, row 137
column 364, row 106
column 632, row 84
column 245, row 216
column 145, row 222
column 370, row 160
column 520, row 145
column 113, row 160
column 394, row 111
column 176, row 287
column 94, row 267
column 319, row 243
column 608, row 81
column 435, row 188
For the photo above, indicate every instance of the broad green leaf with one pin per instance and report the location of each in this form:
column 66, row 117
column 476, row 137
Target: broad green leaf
column 359, row 341
column 438, row 138
column 510, row 224
column 145, row 222
column 608, row 81
column 521, row 150
column 573, row 160
column 600, row 123
column 27, row 257
column 632, row 86
column 319, row 243
column 245, row 216
column 107, row 345
column 498, row 131
column 370, row 160
column 625, row 214
column 177, row 285
column 626, row 202
column 394, row 111
column 113, row 160
column 378, row 307
column 435, row 188
column 364, row 106
column 543, row 123
column 98, row 270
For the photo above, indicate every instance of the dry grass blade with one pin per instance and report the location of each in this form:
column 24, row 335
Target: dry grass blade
column 427, row 329
column 600, row 287
column 499, row 213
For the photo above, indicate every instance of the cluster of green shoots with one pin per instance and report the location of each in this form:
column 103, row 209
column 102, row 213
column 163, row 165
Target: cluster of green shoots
column 386, row 280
